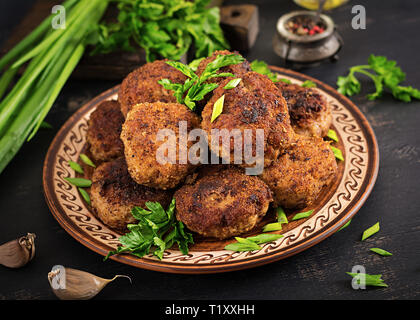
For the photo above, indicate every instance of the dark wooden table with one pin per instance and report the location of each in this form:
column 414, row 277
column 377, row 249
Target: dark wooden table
column 318, row 273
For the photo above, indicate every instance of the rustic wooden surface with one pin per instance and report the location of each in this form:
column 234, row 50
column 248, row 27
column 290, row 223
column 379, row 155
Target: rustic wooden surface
column 318, row 273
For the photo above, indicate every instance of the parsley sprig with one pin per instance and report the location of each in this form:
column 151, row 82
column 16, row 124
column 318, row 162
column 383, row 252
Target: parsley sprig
column 163, row 29
column 156, row 228
column 384, row 74
column 195, row 87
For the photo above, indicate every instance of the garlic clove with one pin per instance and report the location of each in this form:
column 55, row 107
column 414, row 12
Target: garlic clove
column 72, row 284
column 18, row 252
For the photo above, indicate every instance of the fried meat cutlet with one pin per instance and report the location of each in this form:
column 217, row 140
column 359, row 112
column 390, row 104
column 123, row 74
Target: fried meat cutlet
column 114, row 193
column 310, row 114
column 297, row 177
column 142, row 85
column 104, row 129
column 223, row 204
column 255, row 103
column 140, row 138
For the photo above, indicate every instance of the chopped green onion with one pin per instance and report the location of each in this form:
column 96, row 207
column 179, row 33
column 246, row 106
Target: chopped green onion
column 381, row 252
column 264, row 237
column 217, row 108
column 345, row 226
column 85, row 195
column 368, row 279
column 45, row 125
column 370, row 231
column 252, row 243
column 281, row 216
column 232, row 84
column 337, row 153
column 242, row 245
column 302, row 215
column 86, row 160
column 275, row 226
column 332, row 135
column 79, row 182
column 75, row 166
column 308, row 84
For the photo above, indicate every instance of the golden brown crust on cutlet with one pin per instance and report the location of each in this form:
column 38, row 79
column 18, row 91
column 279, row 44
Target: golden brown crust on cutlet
column 223, row 204
column 139, row 136
column 114, row 194
column 142, row 85
column 310, row 114
column 255, row 103
column 104, row 129
column 297, row 177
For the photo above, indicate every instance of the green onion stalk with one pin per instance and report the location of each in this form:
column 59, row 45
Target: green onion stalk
column 51, row 56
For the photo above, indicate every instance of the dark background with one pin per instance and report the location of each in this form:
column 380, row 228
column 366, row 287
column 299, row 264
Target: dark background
column 318, row 273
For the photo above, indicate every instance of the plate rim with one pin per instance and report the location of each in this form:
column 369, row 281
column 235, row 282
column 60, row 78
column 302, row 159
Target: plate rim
column 171, row 267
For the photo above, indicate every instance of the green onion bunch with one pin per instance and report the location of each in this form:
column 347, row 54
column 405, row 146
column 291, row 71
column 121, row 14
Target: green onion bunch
column 50, row 56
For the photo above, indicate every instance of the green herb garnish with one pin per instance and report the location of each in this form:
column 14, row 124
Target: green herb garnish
column 85, row 195
column 232, row 84
column 368, row 279
column 252, row 243
column 381, row 252
column 337, row 153
column 157, row 230
column 370, row 231
column 242, row 245
column 345, row 226
column 79, row 182
column 195, row 63
column 265, row 237
column 217, row 108
column 45, row 125
column 384, row 74
column 87, row 161
column 277, row 226
column 163, row 29
column 308, row 84
column 332, row 135
column 302, row 215
column 284, row 80
column 195, row 86
column 75, row 166
column 262, row 68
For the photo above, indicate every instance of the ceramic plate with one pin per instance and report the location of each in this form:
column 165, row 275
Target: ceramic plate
column 335, row 206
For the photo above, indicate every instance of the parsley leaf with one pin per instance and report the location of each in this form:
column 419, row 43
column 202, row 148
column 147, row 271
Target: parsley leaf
column 384, row 73
column 262, row 68
column 195, row 87
column 308, row 84
column 163, row 29
column 156, row 228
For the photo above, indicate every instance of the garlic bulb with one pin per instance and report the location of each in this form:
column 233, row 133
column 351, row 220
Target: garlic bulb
column 18, row 252
column 72, row 284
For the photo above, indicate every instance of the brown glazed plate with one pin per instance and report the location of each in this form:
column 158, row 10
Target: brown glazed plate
column 335, row 206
